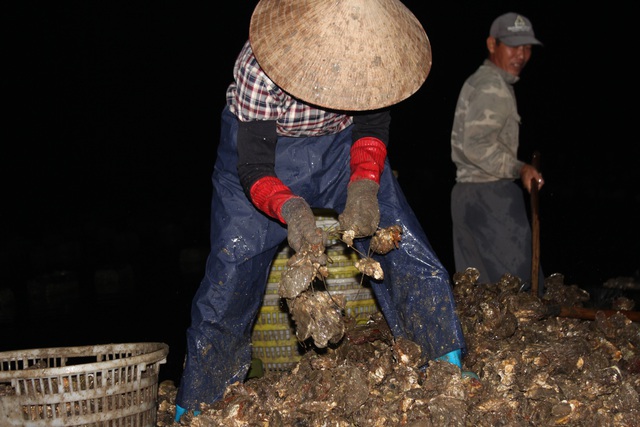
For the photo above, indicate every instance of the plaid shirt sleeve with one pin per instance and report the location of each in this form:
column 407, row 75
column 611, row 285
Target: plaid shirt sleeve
column 254, row 96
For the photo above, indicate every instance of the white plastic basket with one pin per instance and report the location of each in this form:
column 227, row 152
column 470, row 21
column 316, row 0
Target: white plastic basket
column 109, row 385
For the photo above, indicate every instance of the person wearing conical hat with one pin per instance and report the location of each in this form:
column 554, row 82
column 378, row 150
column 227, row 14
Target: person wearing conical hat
column 306, row 125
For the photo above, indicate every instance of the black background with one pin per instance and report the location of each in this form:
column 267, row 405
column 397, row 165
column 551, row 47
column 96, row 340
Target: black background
column 111, row 125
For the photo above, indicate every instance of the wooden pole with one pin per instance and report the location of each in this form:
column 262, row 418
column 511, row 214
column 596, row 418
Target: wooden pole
column 589, row 313
column 535, row 228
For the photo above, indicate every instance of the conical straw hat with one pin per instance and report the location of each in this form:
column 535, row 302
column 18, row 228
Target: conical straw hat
column 351, row 55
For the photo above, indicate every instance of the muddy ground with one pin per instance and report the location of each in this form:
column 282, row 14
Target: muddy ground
column 536, row 364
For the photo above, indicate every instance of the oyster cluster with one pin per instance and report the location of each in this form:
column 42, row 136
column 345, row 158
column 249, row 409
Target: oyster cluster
column 534, row 369
column 318, row 315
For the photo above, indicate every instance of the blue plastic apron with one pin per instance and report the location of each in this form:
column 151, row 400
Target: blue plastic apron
column 415, row 296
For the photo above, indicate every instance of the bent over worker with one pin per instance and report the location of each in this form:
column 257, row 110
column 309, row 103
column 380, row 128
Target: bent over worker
column 306, row 125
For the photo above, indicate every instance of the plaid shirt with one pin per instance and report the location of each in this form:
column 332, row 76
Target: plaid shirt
column 253, row 96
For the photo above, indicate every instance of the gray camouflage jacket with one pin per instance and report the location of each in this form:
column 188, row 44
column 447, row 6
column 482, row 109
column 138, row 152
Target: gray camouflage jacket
column 484, row 138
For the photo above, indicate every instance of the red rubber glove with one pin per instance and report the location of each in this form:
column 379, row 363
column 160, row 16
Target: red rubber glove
column 272, row 197
column 367, row 159
column 269, row 194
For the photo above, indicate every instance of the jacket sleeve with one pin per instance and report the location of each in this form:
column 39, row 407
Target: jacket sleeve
column 375, row 125
column 256, row 151
column 256, row 167
column 491, row 132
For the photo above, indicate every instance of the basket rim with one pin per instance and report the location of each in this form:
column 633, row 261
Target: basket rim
column 158, row 352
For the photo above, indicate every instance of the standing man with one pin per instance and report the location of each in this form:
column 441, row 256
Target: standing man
column 491, row 229
column 306, row 125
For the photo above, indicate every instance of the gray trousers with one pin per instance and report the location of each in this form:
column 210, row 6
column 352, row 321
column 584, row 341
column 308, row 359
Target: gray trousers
column 491, row 231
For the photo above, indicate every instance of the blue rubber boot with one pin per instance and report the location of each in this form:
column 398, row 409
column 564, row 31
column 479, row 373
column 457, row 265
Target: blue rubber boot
column 180, row 411
column 454, row 357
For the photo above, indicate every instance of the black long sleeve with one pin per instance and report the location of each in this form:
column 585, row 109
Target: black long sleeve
column 256, row 151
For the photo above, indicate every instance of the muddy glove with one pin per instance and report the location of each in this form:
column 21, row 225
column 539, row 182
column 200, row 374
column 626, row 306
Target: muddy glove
column 303, row 234
column 361, row 215
column 273, row 197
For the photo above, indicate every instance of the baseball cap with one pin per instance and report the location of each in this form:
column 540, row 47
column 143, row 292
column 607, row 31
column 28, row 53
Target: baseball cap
column 513, row 29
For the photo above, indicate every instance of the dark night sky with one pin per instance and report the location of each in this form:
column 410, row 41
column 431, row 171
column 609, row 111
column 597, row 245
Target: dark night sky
column 113, row 114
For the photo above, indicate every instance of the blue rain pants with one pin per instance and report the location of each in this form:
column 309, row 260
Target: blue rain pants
column 415, row 296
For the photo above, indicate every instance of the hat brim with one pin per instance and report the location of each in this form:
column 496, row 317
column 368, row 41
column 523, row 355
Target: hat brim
column 514, row 41
column 351, row 55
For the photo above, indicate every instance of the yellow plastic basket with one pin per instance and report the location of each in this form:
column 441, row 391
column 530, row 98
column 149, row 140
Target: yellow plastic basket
column 273, row 337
